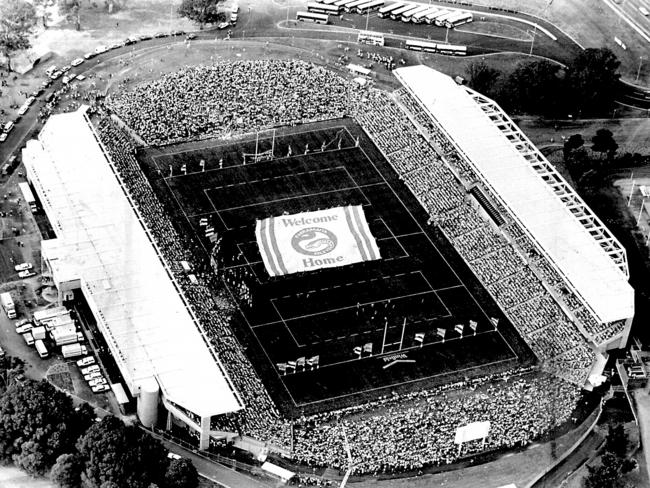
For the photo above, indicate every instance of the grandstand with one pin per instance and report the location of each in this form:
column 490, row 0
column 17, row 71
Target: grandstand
column 588, row 265
column 101, row 239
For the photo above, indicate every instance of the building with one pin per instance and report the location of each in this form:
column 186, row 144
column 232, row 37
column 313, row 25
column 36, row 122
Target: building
column 565, row 231
column 103, row 249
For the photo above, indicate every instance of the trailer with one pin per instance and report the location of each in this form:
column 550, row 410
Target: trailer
column 73, row 350
column 64, row 335
column 28, row 196
column 44, row 315
column 41, row 349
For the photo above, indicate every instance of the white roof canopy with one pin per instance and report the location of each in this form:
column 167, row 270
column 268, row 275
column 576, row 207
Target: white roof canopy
column 572, row 237
column 147, row 325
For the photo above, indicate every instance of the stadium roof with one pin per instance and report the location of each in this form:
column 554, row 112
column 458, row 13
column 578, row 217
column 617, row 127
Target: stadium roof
column 583, row 250
column 138, row 307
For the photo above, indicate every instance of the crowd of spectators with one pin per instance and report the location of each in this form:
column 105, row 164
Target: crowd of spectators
column 420, row 430
column 502, row 268
column 226, row 98
column 393, row 433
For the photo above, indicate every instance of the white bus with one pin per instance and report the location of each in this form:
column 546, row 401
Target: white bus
column 327, row 2
column 432, row 47
column 309, row 17
column 342, row 3
column 431, row 18
column 41, row 349
column 440, row 21
column 349, row 7
column 372, row 38
column 369, row 6
column 459, row 19
column 386, row 11
column 406, row 16
column 321, row 8
column 420, row 16
column 397, row 14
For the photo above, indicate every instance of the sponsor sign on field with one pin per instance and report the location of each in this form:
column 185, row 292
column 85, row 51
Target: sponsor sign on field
column 313, row 240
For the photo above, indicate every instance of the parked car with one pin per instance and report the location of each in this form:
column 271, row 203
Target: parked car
column 25, row 328
column 98, row 381
column 89, row 55
column 90, row 369
column 77, row 62
column 92, row 376
column 56, row 75
column 22, row 322
column 191, row 36
column 100, row 388
column 223, row 25
column 87, row 361
column 26, row 274
column 23, row 266
column 3, row 137
column 160, row 34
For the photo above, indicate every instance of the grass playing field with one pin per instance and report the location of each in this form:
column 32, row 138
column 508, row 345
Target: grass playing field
column 419, row 285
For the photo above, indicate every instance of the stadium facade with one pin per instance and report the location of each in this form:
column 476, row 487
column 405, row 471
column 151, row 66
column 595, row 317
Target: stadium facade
column 566, row 232
column 104, row 249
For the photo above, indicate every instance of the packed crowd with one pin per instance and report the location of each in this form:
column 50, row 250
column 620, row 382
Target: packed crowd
column 393, row 433
column 226, row 98
column 420, row 430
column 513, row 285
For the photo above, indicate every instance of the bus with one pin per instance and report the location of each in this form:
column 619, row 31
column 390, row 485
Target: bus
column 327, row 2
column 397, row 14
column 440, row 21
column 41, row 349
column 420, row 16
column 459, row 19
column 349, row 7
column 372, row 38
column 309, row 17
column 8, row 305
column 432, row 47
column 28, row 196
column 406, row 16
column 321, row 8
column 386, row 11
column 342, row 3
column 364, row 8
column 431, row 17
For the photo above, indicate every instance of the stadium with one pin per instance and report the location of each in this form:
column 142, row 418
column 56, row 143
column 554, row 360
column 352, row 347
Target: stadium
column 346, row 277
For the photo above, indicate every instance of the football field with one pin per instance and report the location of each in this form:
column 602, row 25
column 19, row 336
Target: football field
column 330, row 337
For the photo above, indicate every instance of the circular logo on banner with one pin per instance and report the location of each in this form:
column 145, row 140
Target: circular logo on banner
column 314, row 241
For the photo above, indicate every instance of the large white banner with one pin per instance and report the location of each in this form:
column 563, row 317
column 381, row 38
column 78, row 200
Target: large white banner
column 313, row 240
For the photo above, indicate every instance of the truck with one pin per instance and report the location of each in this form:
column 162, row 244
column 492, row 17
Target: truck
column 41, row 349
column 8, row 305
column 38, row 333
column 73, row 350
column 64, row 335
column 48, row 313
column 28, row 195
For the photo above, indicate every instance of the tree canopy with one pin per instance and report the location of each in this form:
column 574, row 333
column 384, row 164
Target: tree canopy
column 534, row 87
column 37, row 424
column 17, row 18
column 483, row 78
column 593, row 80
column 603, row 142
column 181, row 473
column 201, row 11
column 66, row 472
column 124, row 455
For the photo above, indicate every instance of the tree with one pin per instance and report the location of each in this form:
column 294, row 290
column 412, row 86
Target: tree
column 37, row 424
column 482, row 78
column 201, row 11
column 593, row 80
column 17, row 18
column 571, row 144
column 124, row 455
column 616, row 440
column 181, row 473
column 535, row 87
column 604, row 143
column 72, row 11
column 66, row 472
